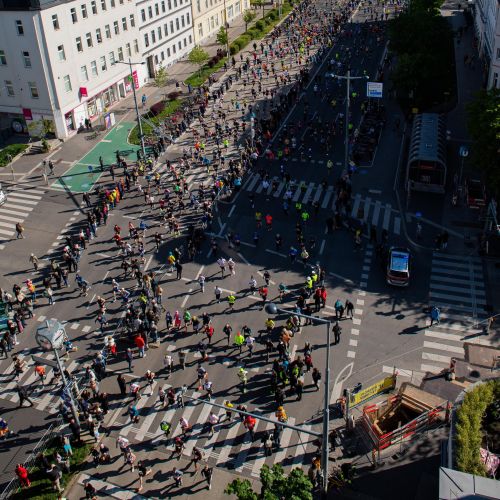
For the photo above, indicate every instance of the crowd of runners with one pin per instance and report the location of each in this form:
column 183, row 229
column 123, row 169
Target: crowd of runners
column 232, row 129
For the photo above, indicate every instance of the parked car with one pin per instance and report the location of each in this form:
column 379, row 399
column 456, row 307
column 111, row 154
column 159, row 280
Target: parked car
column 398, row 266
column 3, row 196
column 475, row 193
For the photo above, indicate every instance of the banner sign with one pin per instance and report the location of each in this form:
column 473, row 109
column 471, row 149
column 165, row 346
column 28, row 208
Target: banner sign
column 374, row 89
column 383, row 385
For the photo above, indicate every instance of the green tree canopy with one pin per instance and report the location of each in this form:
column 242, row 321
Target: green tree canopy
column 275, row 485
column 483, row 121
column 248, row 17
column 198, row 56
column 161, row 77
column 258, row 3
column 222, row 37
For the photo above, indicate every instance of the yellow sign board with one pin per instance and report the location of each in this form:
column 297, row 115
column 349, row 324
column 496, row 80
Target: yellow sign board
column 383, row 385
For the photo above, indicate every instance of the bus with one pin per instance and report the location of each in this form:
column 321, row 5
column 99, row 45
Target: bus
column 426, row 168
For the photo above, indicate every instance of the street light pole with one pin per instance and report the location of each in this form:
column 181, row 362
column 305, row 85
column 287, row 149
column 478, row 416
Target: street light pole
column 271, row 308
column 348, row 79
column 137, row 115
column 225, row 27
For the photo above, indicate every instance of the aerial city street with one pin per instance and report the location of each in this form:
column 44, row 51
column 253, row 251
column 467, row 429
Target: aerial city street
column 292, row 250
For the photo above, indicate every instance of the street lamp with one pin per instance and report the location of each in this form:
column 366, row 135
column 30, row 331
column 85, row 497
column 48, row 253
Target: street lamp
column 139, row 123
column 348, row 79
column 226, row 26
column 51, row 338
column 272, row 309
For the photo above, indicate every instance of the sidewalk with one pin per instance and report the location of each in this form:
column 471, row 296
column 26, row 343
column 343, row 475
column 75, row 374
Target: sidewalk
column 27, row 168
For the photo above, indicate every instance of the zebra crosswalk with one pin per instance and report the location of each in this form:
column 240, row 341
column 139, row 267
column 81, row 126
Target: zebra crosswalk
column 231, row 445
column 457, row 288
column 21, row 201
column 368, row 210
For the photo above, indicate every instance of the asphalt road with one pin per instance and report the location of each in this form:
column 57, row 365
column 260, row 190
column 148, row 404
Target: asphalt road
column 389, row 328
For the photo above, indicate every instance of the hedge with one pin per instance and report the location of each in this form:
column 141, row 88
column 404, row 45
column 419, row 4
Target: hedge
column 198, row 78
column 469, row 434
column 13, row 150
column 169, row 109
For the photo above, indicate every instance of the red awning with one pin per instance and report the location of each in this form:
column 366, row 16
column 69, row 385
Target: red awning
column 83, row 92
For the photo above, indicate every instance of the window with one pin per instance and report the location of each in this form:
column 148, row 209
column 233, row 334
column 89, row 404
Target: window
column 84, row 11
column 198, row 6
column 55, row 22
column 61, row 53
column 89, row 39
column 177, row 23
column 160, row 34
column 3, row 59
column 112, row 58
column 156, row 59
column 102, row 63
column 26, row 59
column 150, row 12
column 174, row 49
column 74, row 17
column 33, row 90
column 200, row 29
column 93, row 6
column 495, row 81
column 163, row 6
column 132, row 20
column 112, row 3
column 169, row 4
column 116, row 28
column 188, row 19
column 157, row 9
column 136, row 46
column 93, row 68
column 182, row 21
column 180, row 45
column 171, row 27
column 120, row 54
column 19, row 28
column 107, row 29
column 175, row 4
column 79, row 46
column 498, row 53
column 190, row 39
column 168, row 52
column 143, row 15
column 10, row 88
column 162, row 55
column 83, row 73
column 103, row 4
column 127, row 48
column 124, row 24
column 146, row 40
column 165, row 29
column 153, row 36
column 98, row 35
column 67, row 83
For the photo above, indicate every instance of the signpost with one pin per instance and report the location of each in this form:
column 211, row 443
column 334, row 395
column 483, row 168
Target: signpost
column 463, row 152
column 374, row 89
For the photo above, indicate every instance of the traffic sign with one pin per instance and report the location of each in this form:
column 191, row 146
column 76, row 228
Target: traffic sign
column 463, row 152
column 374, row 89
column 90, row 167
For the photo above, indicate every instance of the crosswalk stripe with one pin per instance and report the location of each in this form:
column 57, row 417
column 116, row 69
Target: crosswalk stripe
column 18, row 199
column 286, row 435
column 297, row 194
column 442, row 273
column 12, row 212
column 430, row 368
column 328, row 195
column 260, row 187
column 368, row 202
column 201, row 420
column 7, row 224
column 252, row 183
column 230, row 439
column 21, row 208
column 447, row 296
column 11, row 219
column 458, row 258
column 280, row 189
column 376, row 213
column 308, row 193
column 397, row 225
column 355, row 206
column 444, row 347
column 17, row 194
column 245, row 449
column 458, row 290
column 260, row 461
column 444, row 336
column 6, row 233
column 459, row 281
column 429, row 356
column 300, row 446
column 188, row 411
column 461, row 265
column 387, row 216
column 318, row 193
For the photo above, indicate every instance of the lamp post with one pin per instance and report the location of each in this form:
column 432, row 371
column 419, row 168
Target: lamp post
column 226, row 26
column 348, row 79
column 138, row 117
column 51, row 338
column 271, row 308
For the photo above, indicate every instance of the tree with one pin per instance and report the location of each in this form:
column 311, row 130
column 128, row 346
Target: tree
column 222, row 38
column 198, row 56
column 275, row 485
column 248, row 17
column 161, row 77
column 483, row 121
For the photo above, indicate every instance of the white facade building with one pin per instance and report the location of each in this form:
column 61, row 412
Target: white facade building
column 487, row 26
column 166, row 31
column 208, row 16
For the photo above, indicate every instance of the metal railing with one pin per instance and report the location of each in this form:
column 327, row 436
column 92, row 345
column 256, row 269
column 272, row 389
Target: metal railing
column 53, row 430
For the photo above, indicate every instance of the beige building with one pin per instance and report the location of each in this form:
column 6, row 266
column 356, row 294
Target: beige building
column 208, row 16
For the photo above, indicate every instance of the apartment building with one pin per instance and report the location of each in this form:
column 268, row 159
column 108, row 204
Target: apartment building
column 487, row 26
column 166, row 31
column 210, row 15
